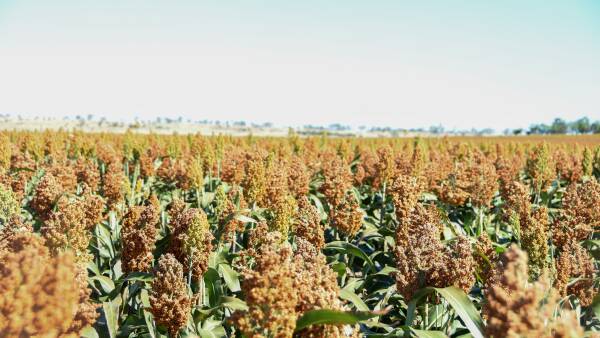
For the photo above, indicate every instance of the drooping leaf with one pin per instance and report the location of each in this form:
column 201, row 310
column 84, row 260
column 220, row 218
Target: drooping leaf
column 332, row 317
column 354, row 299
column 349, row 249
column 106, row 283
column 233, row 303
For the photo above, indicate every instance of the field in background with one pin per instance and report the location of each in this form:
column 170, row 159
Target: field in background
column 157, row 235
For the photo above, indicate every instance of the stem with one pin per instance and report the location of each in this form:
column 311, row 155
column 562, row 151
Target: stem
column 426, row 315
column 198, row 198
column 382, row 210
column 233, row 242
column 190, row 269
column 480, row 216
column 202, row 292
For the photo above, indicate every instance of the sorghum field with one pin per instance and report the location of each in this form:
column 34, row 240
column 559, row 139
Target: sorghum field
column 129, row 235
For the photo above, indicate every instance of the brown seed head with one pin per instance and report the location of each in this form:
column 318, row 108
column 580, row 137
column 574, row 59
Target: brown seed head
column 67, row 229
column 308, row 223
column 138, row 235
column 191, row 242
column 46, row 194
column 39, row 295
column 337, row 179
column 347, row 216
column 169, row 297
column 516, row 308
column 270, row 294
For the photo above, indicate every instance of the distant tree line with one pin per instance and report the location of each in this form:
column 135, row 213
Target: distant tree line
column 560, row 126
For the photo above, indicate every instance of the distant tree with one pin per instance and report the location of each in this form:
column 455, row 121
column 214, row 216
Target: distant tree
column 486, row 131
column 581, row 126
column 539, row 129
column 559, row 126
column 595, row 127
column 436, row 129
column 517, row 131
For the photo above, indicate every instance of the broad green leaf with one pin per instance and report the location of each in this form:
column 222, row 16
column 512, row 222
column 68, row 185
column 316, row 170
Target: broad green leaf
column 208, row 334
column 458, row 300
column 596, row 305
column 386, row 271
column 145, row 298
column 233, row 303
column 139, row 276
column 93, row 268
column 147, row 315
column 107, row 284
column 212, row 282
column 591, row 242
column 231, row 277
column 354, row 299
column 111, row 313
column 207, row 198
column 245, row 219
column 211, row 328
column 350, row 249
column 323, row 317
column 89, row 332
column 340, row 268
column 428, row 334
column 319, row 206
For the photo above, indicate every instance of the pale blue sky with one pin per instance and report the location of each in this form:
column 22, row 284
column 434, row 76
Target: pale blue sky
column 404, row 64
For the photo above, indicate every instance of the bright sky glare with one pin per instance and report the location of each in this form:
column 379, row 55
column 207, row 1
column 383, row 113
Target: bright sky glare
column 405, row 64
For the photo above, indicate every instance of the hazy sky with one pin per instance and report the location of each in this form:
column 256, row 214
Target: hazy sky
column 389, row 63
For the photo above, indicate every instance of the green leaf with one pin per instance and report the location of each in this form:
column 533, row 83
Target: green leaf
column 332, row 317
column 596, row 305
column 354, row 299
column 231, row 277
column 428, row 334
column 591, row 242
column 207, row 198
column 458, row 300
column 139, row 276
column 233, row 303
column 340, row 268
column 206, row 333
column 93, row 268
column 211, row 328
column 350, row 249
column 212, row 282
column 147, row 315
column 319, row 206
column 89, row 332
column 245, row 219
column 111, row 313
column 107, row 284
